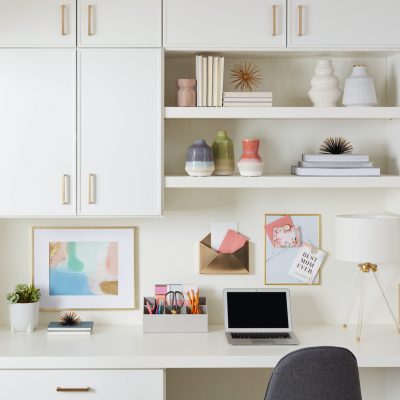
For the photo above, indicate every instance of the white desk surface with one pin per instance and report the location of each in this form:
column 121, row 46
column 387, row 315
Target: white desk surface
column 124, row 347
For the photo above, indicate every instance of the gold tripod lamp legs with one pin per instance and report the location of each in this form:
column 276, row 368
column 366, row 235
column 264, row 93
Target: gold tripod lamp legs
column 359, row 290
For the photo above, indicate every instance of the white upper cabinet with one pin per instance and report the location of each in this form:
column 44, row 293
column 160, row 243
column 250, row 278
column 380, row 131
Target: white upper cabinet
column 224, row 24
column 120, row 131
column 37, row 23
column 344, row 23
column 37, row 132
column 135, row 23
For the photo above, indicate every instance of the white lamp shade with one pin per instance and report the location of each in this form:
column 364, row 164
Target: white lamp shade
column 368, row 238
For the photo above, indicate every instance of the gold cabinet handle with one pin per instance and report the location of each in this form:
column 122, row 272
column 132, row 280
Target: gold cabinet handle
column 82, row 389
column 300, row 12
column 90, row 20
column 65, row 190
column 274, row 32
column 92, row 188
column 63, row 30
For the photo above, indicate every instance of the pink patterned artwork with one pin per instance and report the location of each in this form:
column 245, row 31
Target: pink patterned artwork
column 286, row 236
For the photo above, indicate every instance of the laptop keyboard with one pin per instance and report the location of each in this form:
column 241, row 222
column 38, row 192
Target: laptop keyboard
column 260, row 335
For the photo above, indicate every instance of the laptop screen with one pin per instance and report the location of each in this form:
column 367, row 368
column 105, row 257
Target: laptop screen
column 248, row 310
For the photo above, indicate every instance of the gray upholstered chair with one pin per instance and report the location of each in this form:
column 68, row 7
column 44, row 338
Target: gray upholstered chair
column 316, row 373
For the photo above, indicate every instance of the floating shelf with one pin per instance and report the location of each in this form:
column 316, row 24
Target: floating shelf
column 284, row 182
column 282, row 112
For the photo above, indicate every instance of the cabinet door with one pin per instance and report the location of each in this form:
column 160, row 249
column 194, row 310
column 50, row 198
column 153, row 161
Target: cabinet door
column 37, row 23
column 224, row 24
column 37, row 130
column 344, row 23
column 120, row 23
column 120, row 131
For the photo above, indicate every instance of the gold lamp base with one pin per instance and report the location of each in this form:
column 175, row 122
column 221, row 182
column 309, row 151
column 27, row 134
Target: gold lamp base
column 359, row 289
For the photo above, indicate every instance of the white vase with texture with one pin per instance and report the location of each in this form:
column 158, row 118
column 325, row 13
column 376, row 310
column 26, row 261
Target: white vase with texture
column 325, row 91
column 359, row 89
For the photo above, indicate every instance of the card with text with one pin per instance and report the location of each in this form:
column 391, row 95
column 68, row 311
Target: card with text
column 307, row 263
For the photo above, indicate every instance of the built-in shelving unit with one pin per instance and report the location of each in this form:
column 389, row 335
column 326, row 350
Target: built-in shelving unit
column 283, row 182
column 282, row 112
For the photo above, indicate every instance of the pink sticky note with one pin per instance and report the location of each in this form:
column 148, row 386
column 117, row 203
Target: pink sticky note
column 269, row 228
column 232, row 242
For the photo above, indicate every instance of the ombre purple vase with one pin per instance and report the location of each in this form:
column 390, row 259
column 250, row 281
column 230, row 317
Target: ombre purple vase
column 199, row 159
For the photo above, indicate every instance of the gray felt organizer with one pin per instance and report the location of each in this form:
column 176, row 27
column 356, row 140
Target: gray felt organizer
column 175, row 323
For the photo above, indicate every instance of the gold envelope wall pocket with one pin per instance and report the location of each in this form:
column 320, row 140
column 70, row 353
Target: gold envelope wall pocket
column 214, row 262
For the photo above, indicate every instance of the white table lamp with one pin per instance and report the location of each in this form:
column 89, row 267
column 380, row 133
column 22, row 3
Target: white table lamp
column 367, row 240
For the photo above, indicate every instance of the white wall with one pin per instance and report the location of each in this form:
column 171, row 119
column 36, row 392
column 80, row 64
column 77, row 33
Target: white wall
column 166, row 248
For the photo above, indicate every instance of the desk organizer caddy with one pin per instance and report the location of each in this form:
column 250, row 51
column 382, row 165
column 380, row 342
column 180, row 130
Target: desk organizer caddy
column 175, row 323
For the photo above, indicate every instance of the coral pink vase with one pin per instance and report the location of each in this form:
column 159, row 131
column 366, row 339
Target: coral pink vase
column 250, row 164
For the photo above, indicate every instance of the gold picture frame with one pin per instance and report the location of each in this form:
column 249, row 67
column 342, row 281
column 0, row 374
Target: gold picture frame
column 128, row 245
column 316, row 241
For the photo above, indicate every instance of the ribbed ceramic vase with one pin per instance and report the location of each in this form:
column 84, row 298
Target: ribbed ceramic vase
column 325, row 91
column 199, row 159
column 359, row 89
column 224, row 158
column 250, row 164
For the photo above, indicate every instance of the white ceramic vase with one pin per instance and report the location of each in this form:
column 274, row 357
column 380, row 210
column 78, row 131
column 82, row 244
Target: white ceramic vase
column 325, row 91
column 359, row 89
column 24, row 317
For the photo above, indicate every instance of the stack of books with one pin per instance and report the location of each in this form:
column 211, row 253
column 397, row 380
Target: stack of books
column 210, row 80
column 56, row 328
column 247, row 99
column 335, row 165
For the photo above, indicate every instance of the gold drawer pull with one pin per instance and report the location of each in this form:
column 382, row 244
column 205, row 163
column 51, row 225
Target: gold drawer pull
column 92, row 189
column 300, row 33
column 63, row 31
column 90, row 20
column 274, row 33
column 82, row 389
column 65, row 190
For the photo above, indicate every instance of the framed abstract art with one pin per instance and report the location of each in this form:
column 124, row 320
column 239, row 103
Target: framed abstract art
column 285, row 236
column 84, row 268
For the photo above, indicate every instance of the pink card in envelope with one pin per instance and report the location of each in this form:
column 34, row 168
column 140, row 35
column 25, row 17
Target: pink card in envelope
column 281, row 222
column 232, row 242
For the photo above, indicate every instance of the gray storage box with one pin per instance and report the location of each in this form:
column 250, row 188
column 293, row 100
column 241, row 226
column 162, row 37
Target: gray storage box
column 175, row 323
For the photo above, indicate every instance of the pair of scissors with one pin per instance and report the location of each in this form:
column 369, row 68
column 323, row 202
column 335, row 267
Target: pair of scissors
column 174, row 301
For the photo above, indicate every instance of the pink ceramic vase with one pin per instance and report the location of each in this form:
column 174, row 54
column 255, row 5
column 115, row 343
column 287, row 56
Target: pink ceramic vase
column 250, row 164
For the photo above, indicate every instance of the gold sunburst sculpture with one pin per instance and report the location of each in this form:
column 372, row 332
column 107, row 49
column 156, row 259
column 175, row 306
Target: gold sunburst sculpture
column 245, row 76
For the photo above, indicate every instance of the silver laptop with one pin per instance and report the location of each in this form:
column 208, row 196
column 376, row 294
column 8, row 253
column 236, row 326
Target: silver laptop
column 258, row 316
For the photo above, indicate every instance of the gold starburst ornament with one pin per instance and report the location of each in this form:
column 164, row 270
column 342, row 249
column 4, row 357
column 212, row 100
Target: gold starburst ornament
column 245, row 76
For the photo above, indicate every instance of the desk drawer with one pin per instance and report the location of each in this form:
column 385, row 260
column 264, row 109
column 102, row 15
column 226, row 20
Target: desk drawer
column 82, row 384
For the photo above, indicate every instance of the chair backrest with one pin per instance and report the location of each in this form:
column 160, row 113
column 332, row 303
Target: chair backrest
column 316, row 373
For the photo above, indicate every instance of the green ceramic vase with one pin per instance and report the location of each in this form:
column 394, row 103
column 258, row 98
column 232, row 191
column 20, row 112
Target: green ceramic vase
column 224, row 158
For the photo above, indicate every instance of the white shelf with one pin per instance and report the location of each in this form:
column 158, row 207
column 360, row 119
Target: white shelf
column 282, row 112
column 283, row 182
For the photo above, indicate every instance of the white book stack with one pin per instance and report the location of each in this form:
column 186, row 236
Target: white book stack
column 335, row 165
column 247, row 99
column 210, row 80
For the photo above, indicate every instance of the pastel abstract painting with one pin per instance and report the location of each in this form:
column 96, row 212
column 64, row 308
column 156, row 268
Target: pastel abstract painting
column 83, row 268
